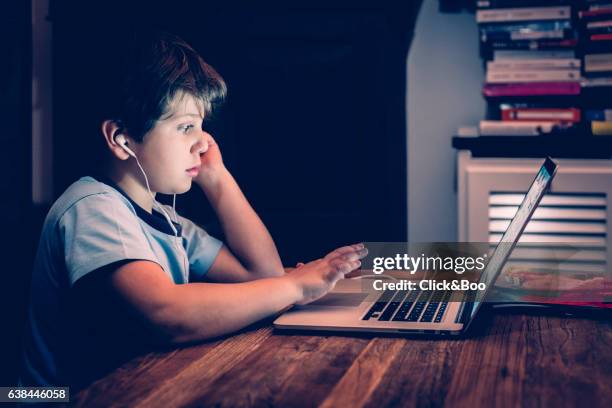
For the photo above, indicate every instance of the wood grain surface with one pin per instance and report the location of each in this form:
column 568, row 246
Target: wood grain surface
column 509, row 360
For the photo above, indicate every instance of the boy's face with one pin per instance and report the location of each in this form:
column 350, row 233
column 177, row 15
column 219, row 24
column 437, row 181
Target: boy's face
column 173, row 146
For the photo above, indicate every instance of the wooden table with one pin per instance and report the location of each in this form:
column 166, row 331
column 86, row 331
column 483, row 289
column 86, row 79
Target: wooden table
column 508, row 360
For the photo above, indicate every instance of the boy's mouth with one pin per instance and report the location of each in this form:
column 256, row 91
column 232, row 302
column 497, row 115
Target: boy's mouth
column 193, row 171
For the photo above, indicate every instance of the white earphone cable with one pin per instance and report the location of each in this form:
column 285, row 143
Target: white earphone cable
column 174, row 208
column 155, row 203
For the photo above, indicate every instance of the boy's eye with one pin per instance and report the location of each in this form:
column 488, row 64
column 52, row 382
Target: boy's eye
column 185, row 128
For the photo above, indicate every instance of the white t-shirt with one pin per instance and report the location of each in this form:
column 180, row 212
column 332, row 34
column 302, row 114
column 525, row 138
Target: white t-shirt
column 93, row 225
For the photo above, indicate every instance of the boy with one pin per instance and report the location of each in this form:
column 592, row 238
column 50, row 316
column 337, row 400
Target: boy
column 116, row 270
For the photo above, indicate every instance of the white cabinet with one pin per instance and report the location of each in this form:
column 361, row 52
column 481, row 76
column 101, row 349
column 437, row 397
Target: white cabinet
column 577, row 209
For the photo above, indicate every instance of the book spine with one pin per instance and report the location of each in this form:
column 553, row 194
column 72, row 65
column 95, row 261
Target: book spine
column 600, row 6
column 499, row 77
column 528, row 114
column 534, row 64
column 518, row 35
column 599, row 24
column 597, row 62
column 527, row 25
column 597, row 82
column 500, row 128
column 595, row 12
column 512, row 55
column 534, row 89
column 531, row 44
column 540, row 35
column 601, row 37
column 494, row 4
column 600, row 115
column 600, row 30
column 601, row 127
column 523, row 14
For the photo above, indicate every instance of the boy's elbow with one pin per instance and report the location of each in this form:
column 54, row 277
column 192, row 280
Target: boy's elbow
column 173, row 325
column 167, row 312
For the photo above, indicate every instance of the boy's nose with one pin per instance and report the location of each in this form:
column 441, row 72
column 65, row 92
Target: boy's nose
column 201, row 146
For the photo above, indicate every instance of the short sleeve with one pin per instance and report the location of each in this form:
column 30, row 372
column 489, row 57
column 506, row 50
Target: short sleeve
column 202, row 248
column 98, row 230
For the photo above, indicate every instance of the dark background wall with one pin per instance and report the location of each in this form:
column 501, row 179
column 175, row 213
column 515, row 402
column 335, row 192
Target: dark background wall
column 19, row 240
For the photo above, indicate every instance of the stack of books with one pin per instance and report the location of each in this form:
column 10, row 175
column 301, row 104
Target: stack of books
column 595, row 23
column 533, row 67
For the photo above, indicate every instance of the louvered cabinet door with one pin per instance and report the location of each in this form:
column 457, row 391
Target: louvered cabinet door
column 569, row 233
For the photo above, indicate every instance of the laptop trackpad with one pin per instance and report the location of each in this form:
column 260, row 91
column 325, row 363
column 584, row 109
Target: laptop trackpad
column 340, row 299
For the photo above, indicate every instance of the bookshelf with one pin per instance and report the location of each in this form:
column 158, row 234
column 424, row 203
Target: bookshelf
column 547, row 82
column 547, row 67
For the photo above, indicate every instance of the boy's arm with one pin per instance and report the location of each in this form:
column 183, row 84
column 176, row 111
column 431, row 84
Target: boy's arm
column 177, row 314
column 246, row 234
column 196, row 311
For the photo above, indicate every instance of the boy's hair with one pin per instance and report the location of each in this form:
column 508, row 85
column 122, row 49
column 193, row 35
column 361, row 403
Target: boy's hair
column 152, row 70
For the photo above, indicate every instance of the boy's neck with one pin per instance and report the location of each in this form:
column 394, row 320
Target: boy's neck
column 134, row 189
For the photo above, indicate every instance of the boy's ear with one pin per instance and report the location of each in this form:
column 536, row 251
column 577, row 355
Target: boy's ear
column 110, row 130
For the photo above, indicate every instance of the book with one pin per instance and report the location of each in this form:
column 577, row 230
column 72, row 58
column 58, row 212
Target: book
column 601, row 128
column 533, row 64
column 527, row 31
column 528, row 35
column 504, row 55
column 601, row 37
column 597, row 62
column 525, row 26
column 600, row 30
column 599, row 24
column 600, row 6
column 497, row 77
column 598, row 115
column 483, row 4
column 540, row 114
column 544, row 44
column 523, row 14
column 584, row 14
column 505, row 128
column 595, row 83
column 532, row 89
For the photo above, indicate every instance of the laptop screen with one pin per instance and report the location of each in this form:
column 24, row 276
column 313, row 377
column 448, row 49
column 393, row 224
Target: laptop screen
column 516, row 227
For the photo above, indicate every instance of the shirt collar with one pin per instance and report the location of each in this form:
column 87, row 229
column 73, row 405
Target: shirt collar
column 156, row 220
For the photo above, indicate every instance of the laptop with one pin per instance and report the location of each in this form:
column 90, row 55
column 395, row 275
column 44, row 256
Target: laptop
column 348, row 308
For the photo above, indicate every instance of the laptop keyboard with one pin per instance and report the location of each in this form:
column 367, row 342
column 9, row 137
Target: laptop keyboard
column 409, row 306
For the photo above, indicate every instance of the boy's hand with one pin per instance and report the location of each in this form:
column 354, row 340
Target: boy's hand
column 316, row 278
column 212, row 166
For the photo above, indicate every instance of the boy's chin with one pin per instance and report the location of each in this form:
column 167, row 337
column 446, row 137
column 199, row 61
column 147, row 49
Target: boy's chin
column 178, row 189
column 184, row 189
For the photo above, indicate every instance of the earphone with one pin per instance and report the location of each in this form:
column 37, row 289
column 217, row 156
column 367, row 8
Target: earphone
column 122, row 142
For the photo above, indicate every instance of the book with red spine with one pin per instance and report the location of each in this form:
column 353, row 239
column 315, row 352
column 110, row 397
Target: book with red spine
column 601, row 37
column 531, row 89
column 595, row 13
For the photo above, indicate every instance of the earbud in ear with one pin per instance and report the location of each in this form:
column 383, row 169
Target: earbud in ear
column 121, row 141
